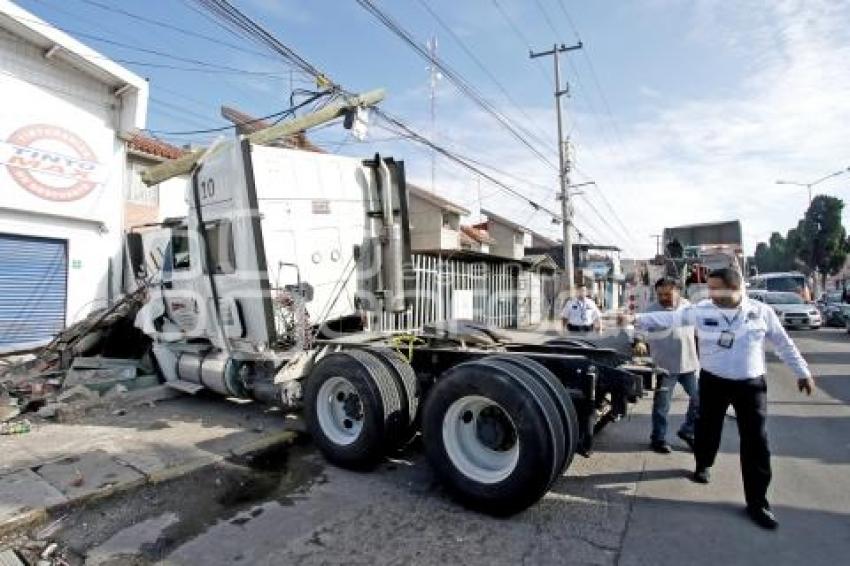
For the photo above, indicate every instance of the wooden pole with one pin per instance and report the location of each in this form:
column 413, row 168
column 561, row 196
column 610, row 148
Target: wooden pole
column 184, row 165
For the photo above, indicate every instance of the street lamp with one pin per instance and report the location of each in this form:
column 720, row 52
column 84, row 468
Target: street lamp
column 813, row 183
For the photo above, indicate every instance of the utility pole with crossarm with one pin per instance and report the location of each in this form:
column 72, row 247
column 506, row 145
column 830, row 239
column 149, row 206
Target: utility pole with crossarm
column 564, row 164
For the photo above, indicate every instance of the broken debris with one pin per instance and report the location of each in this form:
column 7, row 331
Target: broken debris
column 99, row 360
column 18, row 427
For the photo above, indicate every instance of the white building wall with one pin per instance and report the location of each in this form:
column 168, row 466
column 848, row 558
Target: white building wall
column 62, row 166
column 172, row 198
column 425, row 224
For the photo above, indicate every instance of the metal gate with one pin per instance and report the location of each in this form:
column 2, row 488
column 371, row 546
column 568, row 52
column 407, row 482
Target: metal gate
column 33, row 287
column 493, row 287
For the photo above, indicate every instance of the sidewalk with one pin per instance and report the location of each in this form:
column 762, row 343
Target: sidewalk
column 108, row 450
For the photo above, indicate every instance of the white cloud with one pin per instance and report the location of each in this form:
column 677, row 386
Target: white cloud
column 717, row 158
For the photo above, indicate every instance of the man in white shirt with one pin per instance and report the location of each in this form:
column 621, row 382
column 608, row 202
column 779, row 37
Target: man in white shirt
column 731, row 330
column 581, row 314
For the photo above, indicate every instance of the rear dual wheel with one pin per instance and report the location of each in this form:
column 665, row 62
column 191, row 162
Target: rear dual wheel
column 559, row 394
column 360, row 405
column 495, row 435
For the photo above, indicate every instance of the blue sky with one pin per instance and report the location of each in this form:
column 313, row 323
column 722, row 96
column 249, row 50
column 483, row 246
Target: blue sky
column 682, row 110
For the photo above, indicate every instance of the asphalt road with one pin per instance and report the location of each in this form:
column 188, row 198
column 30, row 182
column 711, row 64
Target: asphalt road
column 624, row 505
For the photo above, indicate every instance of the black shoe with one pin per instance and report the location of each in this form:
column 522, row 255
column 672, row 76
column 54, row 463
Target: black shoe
column 660, row 446
column 701, row 475
column 763, row 517
column 687, row 439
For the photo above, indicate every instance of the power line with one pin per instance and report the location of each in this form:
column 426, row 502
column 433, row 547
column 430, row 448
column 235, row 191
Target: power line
column 415, row 136
column 463, row 86
column 476, row 60
column 522, row 39
column 255, row 32
column 240, row 23
column 166, row 25
column 206, row 66
column 179, row 108
column 280, row 114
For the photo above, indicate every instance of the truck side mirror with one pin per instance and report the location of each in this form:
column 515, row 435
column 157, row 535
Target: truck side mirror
column 136, row 254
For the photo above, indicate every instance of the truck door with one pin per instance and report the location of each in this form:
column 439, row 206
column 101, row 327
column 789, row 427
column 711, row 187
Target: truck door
column 224, row 228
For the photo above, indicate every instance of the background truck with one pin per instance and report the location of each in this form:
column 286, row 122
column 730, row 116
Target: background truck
column 693, row 250
column 266, row 291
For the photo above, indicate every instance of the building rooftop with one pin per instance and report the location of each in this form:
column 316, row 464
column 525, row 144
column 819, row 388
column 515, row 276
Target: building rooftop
column 436, row 200
column 479, row 235
column 493, row 217
column 154, row 148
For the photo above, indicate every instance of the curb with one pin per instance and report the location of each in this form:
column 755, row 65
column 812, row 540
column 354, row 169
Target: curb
column 34, row 516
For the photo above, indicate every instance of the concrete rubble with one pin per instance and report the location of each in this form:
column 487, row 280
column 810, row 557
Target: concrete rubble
column 94, row 361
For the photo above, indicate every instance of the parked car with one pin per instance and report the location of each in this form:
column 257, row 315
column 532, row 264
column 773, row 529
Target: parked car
column 845, row 310
column 792, row 310
column 830, row 304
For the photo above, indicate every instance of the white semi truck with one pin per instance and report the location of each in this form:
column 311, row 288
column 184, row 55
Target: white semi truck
column 267, row 289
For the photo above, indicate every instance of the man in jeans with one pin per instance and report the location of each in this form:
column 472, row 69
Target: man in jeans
column 675, row 350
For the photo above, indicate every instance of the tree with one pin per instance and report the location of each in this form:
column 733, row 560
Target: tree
column 776, row 255
column 822, row 238
column 818, row 242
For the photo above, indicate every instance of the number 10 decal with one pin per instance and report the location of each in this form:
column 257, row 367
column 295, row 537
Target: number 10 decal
column 207, row 189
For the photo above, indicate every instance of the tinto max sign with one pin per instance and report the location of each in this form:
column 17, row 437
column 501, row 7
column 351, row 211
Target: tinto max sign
column 51, row 162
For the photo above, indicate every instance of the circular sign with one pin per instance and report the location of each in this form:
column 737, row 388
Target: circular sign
column 52, row 163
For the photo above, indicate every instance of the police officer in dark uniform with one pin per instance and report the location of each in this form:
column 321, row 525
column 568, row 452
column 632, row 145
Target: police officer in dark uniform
column 731, row 331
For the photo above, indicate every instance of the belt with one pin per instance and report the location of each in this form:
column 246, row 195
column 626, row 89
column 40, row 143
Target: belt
column 708, row 374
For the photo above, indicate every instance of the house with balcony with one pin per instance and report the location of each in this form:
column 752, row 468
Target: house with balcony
column 434, row 221
column 510, row 238
column 475, row 239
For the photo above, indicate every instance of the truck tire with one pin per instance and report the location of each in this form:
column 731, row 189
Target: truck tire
column 493, row 436
column 560, row 396
column 353, row 409
column 407, row 383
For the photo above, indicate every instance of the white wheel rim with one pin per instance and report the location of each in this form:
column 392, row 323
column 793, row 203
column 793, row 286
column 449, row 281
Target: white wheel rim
column 339, row 411
column 468, row 436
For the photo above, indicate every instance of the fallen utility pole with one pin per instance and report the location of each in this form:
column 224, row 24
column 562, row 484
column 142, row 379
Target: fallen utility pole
column 184, row 165
column 564, row 164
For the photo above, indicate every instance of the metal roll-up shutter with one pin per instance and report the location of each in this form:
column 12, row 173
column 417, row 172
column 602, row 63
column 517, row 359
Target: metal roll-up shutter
column 33, row 284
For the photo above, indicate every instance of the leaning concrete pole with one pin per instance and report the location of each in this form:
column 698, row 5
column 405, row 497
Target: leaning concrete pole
column 183, row 165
